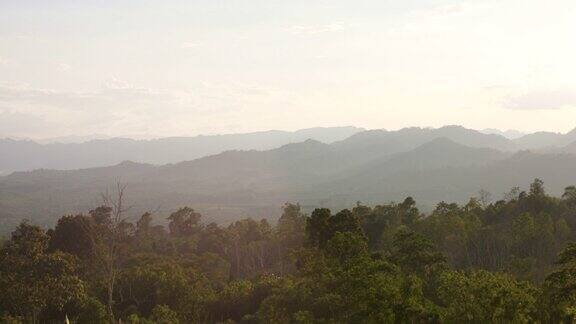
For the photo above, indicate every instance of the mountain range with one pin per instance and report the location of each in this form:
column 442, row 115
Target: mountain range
column 449, row 163
column 23, row 155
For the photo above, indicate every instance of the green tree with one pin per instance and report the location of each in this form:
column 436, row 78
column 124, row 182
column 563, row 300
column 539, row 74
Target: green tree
column 416, row 254
column 35, row 284
column 569, row 196
column 561, row 286
column 73, row 234
column 318, row 227
column 485, row 297
column 162, row 314
column 289, row 235
column 147, row 281
column 92, row 312
column 184, row 222
column 322, row 226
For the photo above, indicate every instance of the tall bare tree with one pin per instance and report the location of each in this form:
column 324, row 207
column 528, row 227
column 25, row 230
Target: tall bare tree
column 115, row 201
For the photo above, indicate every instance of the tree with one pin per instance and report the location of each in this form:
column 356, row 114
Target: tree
column 561, row 286
column 162, row 314
column 184, row 222
column 235, row 300
column 291, row 226
column 344, row 246
column 35, row 284
column 290, row 234
column 485, row 197
column 250, row 251
column 344, row 283
column 410, row 213
column 322, row 226
column 344, row 221
column 214, row 239
column 416, row 254
column 73, row 234
column 381, row 223
column 148, row 281
column 92, row 312
column 111, row 220
column 537, row 188
column 144, row 225
column 484, row 297
column 569, row 196
column 512, row 194
column 318, row 227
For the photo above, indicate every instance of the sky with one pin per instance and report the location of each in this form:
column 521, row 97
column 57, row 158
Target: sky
column 180, row 68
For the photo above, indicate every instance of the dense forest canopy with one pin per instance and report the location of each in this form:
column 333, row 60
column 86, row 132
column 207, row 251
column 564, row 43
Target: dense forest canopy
column 511, row 260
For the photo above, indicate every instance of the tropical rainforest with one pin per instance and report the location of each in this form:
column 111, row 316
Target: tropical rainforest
column 507, row 261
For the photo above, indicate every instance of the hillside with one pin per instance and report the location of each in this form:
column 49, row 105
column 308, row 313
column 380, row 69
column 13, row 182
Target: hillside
column 457, row 183
column 237, row 183
column 541, row 140
column 349, row 144
column 570, row 148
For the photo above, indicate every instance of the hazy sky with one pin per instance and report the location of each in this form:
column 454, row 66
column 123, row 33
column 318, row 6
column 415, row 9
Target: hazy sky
column 221, row 66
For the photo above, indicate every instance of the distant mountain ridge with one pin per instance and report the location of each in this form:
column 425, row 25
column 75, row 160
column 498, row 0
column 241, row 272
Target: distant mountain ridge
column 23, row 155
column 72, row 139
column 509, row 134
column 449, row 163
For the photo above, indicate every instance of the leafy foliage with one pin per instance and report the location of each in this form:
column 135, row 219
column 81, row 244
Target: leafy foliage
column 507, row 261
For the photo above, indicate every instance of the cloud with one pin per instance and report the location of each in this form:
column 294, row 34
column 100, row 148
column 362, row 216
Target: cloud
column 541, row 100
column 190, row 45
column 316, row 29
column 441, row 19
column 16, row 124
column 7, row 62
column 119, row 106
column 63, row 67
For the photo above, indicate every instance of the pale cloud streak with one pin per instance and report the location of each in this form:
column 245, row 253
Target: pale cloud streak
column 316, row 29
column 134, row 110
column 542, row 100
column 190, row 45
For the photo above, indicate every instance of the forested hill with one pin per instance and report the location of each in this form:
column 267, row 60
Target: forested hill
column 510, row 261
column 450, row 163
